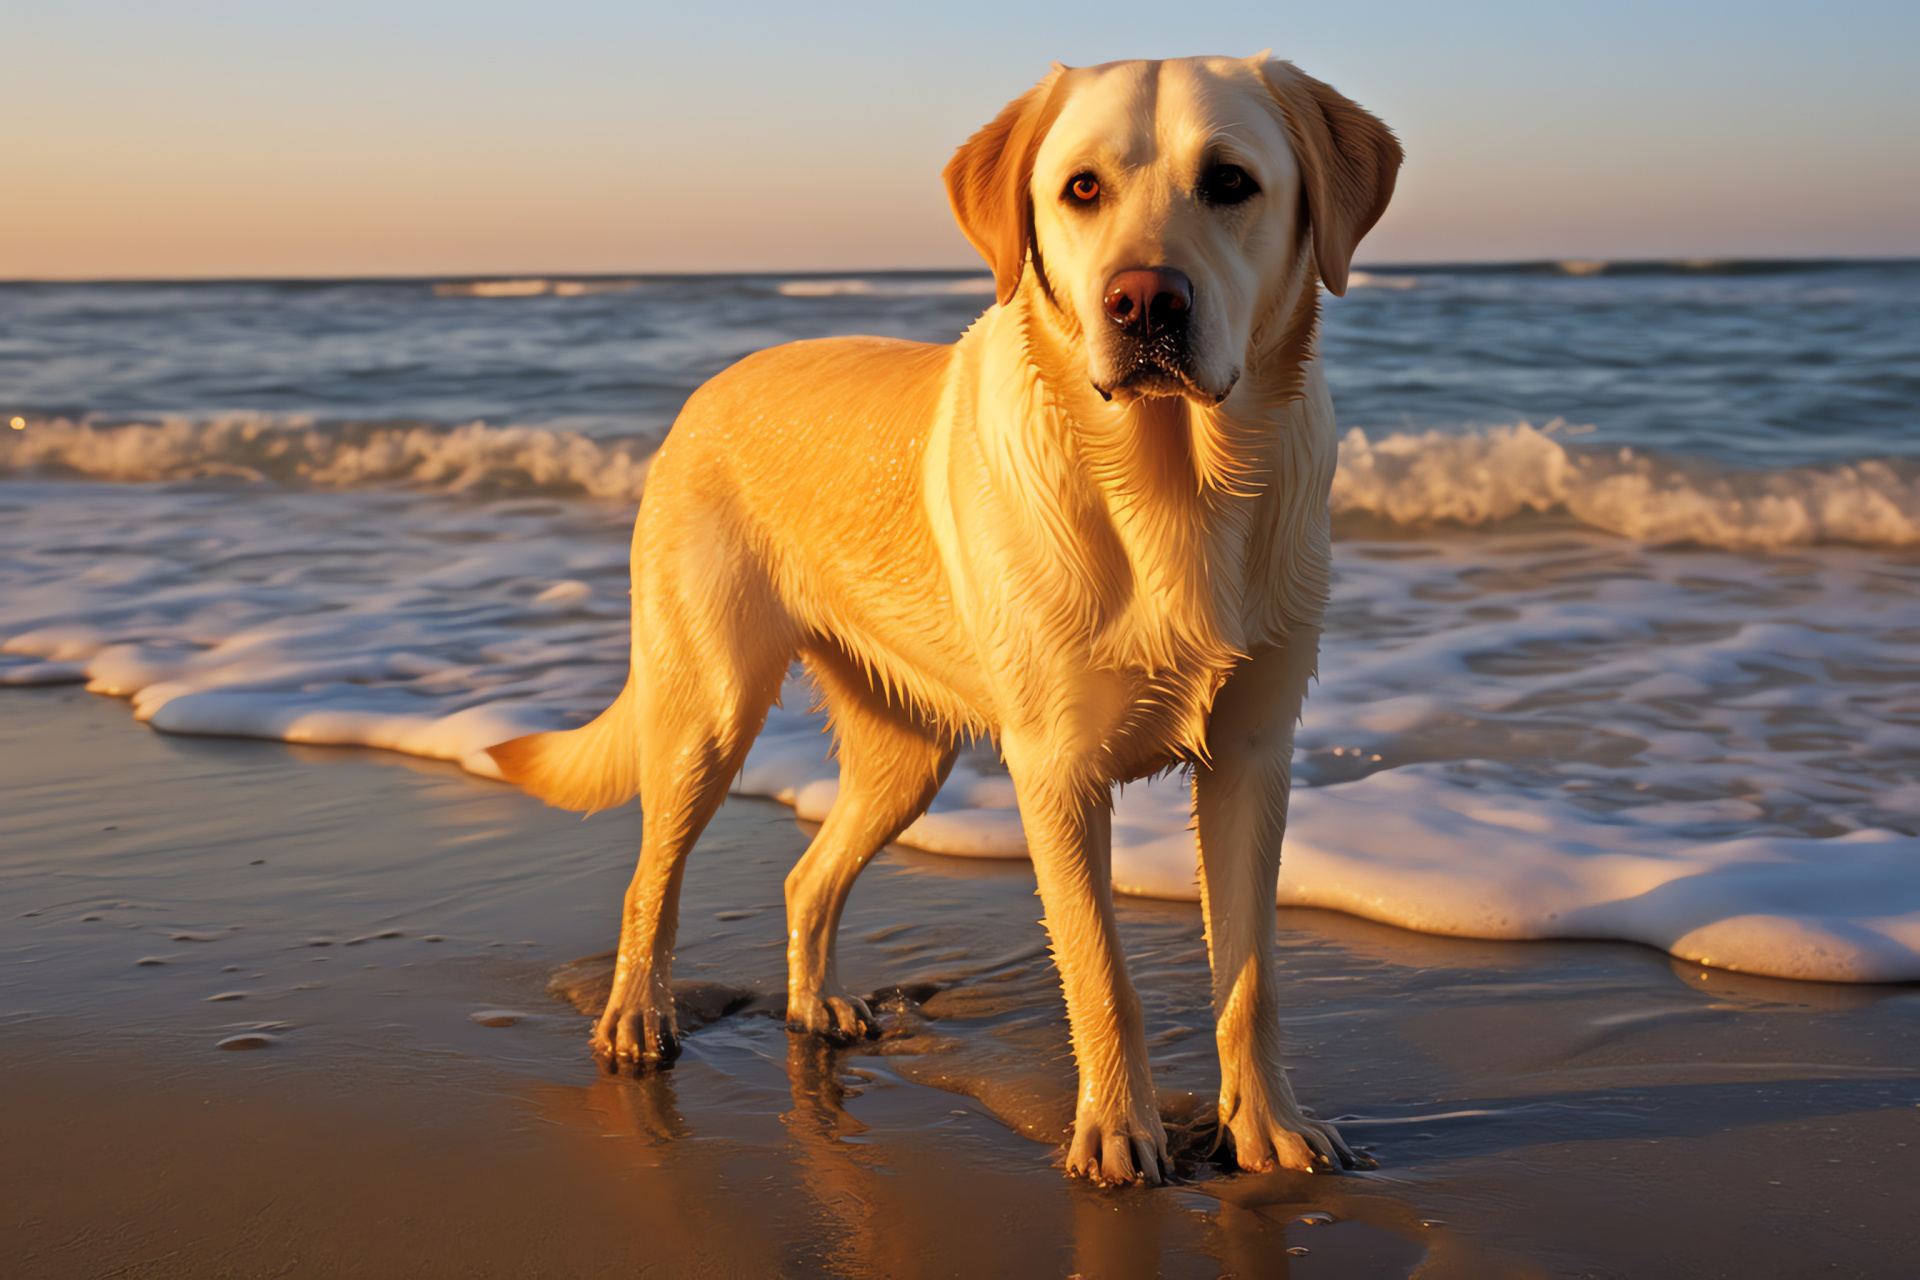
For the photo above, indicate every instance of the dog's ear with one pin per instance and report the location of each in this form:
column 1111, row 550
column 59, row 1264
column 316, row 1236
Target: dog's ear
column 1348, row 162
column 989, row 176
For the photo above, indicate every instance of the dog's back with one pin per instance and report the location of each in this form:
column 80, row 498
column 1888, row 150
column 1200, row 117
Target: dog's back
column 795, row 476
column 808, row 458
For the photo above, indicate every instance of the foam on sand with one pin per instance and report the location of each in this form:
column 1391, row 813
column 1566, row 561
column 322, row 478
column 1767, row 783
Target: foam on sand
column 1424, row 849
column 1543, row 731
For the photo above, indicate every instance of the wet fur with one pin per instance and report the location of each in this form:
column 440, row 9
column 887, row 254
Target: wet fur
column 969, row 540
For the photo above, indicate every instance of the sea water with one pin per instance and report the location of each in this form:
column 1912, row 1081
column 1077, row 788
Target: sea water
column 1623, row 642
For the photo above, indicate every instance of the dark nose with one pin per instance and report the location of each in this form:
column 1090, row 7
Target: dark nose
column 1146, row 301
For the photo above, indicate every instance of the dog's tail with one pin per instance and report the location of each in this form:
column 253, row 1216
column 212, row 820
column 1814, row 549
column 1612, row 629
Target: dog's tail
column 594, row 767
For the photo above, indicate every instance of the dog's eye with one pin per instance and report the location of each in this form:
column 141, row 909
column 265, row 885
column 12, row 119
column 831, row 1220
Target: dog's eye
column 1226, row 184
column 1083, row 188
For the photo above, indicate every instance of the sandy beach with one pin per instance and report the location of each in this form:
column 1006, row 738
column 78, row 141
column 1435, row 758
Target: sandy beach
column 385, row 931
column 1437, row 450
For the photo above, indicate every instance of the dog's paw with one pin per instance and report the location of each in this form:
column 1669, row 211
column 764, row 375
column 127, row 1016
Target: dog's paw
column 635, row 1039
column 835, row 1016
column 1118, row 1154
column 1297, row 1143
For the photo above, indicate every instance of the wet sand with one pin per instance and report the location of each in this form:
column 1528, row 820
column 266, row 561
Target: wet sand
column 385, row 931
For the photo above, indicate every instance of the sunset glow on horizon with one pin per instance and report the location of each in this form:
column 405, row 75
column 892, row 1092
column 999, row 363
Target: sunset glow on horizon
column 221, row 139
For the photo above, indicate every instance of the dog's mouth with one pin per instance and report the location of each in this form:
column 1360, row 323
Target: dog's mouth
column 1154, row 363
column 1156, row 370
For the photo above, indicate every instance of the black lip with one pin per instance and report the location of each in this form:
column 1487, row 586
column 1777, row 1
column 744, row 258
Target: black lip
column 1159, row 363
column 1152, row 371
column 1151, row 380
column 1163, row 354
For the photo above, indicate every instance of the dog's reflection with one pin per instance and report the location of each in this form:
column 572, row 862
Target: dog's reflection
column 847, row 1201
column 849, row 1182
column 644, row 1107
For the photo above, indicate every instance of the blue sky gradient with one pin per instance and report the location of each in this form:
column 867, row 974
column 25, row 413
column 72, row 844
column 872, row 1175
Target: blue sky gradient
column 270, row 138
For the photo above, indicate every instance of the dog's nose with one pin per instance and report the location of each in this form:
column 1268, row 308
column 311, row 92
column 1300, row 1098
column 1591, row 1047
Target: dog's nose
column 1149, row 300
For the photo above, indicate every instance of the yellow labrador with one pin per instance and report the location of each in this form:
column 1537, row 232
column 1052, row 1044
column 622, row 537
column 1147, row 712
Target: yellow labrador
column 1095, row 528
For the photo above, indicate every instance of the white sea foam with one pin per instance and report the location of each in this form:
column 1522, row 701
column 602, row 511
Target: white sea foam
column 532, row 287
column 1479, row 477
column 1543, row 731
column 885, row 287
column 1467, row 478
column 1377, row 280
column 475, row 458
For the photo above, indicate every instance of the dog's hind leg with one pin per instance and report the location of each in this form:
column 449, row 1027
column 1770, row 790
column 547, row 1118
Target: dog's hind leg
column 1240, row 801
column 708, row 665
column 891, row 765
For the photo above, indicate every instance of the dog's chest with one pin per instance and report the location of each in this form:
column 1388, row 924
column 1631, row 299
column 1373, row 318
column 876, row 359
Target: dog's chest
column 1164, row 661
column 1101, row 584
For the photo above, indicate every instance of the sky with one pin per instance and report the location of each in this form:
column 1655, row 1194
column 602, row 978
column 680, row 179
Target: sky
column 336, row 137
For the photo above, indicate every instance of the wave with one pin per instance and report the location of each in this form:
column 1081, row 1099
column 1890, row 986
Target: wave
column 1480, row 478
column 532, row 287
column 475, row 458
column 1471, row 479
column 881, row 287
column 1580, row 267
column 1378, row 280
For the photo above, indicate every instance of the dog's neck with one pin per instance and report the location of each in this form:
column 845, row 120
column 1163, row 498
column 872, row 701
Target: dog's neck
column 1162, row 540
column 1181, row 485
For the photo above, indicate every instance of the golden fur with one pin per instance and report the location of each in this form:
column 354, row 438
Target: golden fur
column 1007, row 537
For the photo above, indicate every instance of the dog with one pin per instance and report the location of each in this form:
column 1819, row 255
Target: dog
column 1093, row 530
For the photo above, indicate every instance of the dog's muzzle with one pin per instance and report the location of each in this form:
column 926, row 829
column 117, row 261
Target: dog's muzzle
column 1150, row 308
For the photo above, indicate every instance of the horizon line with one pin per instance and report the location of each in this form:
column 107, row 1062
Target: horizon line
column 1565, row 266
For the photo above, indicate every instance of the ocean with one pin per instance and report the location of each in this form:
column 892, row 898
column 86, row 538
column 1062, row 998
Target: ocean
column 1626, row 623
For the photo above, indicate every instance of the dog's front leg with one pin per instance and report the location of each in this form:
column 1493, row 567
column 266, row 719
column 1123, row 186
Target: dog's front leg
column 1068, row 814
column 637, row 1029
column 1240, row 800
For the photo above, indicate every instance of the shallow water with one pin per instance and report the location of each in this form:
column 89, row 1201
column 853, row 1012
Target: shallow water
column 1643, row 670
column 1542, row 731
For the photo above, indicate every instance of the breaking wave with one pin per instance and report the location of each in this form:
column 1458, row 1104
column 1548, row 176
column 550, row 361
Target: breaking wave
column 882, row 287
column 475, row 458
column 1478, row 478
column 1471, row 479
column 532, row 287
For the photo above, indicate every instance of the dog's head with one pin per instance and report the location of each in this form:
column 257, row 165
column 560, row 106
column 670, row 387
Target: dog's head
column 1166, row 208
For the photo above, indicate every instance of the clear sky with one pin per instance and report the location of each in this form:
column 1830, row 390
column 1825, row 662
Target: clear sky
column 259, row 137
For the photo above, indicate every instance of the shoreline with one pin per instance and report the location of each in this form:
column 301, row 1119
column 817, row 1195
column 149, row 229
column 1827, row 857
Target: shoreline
column 1556, row 1106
